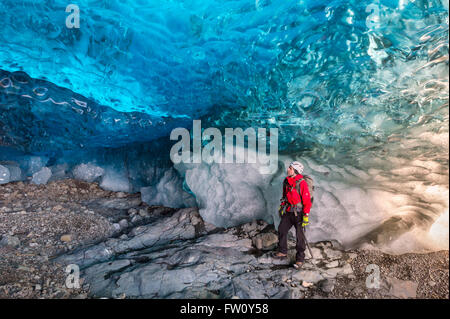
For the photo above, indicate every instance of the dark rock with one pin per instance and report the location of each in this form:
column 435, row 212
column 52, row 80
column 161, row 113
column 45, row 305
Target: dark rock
column 326, row 285
column 265, row 241
column 9, row 241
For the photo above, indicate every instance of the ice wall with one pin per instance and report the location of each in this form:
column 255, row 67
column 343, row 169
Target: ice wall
column 399, row 209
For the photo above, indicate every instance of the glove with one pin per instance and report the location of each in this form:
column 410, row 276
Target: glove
column 305, row 221
column 282, row 209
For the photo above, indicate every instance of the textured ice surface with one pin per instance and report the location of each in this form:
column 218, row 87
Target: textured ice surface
column 42, row 176
column 88, row 172
column 230, row 194
column 364, row 104
column 315, row 69
column 59, row 119
column 15, row 172
column 387, row 213
column 34, row 164
column 4, row 175
column 59, row 171
column 168, row 192
column 115, row 180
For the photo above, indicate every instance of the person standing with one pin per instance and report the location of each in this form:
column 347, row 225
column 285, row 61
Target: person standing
column 294, row 211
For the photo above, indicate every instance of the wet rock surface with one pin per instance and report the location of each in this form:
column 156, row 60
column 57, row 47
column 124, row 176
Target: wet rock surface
column 127, row 249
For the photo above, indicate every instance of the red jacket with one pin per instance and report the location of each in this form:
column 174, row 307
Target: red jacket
column 288, row 183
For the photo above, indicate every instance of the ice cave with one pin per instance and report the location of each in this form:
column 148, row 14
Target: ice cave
column 358, row 91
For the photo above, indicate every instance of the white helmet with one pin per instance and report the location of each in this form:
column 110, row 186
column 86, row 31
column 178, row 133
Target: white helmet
column 297, row 166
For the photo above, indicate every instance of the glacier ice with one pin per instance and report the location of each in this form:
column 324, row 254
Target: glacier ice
column 115, row 180
column 168, row 192
column 230, row 194
column 4, row 175
column 59, row 171
column 87, row 172
column 15, row 172
column 344, row 207
column 364, row 106
column 42, row 176
column 34, row 164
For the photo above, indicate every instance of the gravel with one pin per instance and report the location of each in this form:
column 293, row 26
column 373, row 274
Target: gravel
column 40, row 222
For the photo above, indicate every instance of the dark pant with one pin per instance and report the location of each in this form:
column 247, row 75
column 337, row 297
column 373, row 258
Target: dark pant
column 287, row 221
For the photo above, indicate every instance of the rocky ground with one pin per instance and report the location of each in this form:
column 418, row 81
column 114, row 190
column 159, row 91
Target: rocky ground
column 127, row 249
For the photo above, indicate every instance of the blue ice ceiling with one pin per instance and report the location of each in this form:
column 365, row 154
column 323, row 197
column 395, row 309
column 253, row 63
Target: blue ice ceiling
column 313, row 64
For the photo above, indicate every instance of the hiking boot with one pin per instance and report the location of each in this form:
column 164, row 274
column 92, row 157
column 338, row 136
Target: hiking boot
column 279, row 256
column 298, row 265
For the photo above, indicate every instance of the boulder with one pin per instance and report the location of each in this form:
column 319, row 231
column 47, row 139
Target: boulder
column 341, row 271
column 402, row 288
column 265, row 241
column 333, row 264
column 327, row 285
column 332, row 254
column 312, row 276
column 123, row 223
column 317, row 253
